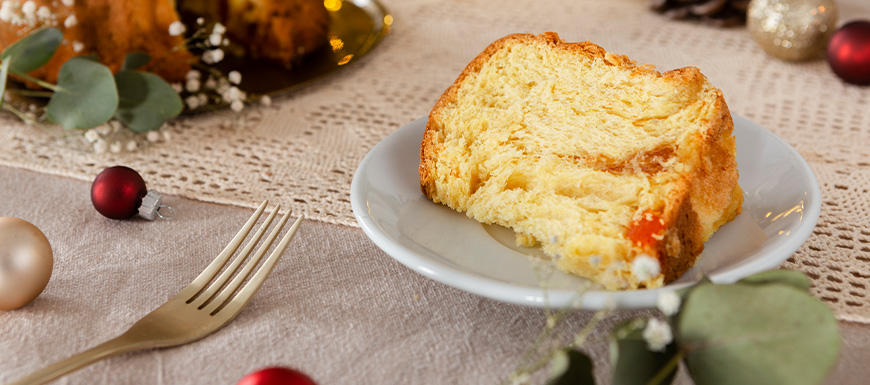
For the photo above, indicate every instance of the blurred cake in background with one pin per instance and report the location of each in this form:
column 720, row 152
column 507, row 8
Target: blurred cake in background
column 280, row 30
column 283, row 31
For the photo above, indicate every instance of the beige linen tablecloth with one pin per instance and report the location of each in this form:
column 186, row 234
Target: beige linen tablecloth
column 337, row 307
column 304, row 150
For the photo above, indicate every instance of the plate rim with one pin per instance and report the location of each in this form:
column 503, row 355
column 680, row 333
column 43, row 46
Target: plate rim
column 592, row 299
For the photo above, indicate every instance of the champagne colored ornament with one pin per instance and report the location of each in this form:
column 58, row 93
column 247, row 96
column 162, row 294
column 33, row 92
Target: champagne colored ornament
column 25, row 262
column 849, row 52
column 119, row 193
column 792, row 29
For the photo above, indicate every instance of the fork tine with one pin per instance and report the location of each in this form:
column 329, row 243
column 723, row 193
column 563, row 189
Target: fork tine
column 236, row 303
column 207, row 294
column 226, row 298
column 199, row 283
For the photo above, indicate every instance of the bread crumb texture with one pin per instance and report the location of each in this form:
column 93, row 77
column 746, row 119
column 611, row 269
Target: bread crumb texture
column 596, row 158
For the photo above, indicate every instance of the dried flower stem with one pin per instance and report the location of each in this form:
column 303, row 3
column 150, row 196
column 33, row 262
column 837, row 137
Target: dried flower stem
column 590, row 326
column 18, row 113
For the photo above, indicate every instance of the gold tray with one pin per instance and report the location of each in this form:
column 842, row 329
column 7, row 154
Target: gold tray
column 355, row 28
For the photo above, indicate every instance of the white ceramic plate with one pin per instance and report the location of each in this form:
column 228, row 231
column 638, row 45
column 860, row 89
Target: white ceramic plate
column 782, row 202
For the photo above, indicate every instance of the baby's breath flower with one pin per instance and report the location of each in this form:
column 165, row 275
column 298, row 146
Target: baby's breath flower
column 7, row 11
column 78, row 46
column 131, row 146
column 210, row 83
column 237, row 105
column 266, row 100
column 213, row 56
column 152, row 136
column 70, row 21
column 192, row 102
column 234, row 77
column 100, row 146
column 193, row 74
column 115, row 147
column 177, row 87
column 218, row 29
column 232, row 94
column 203, row 99
column 200, row 21
column 166, row 136
column 92, row 136
column 176, row 28
column 668, row 302
column 215, row 39
column 68, row 3
column 223, row 85
column 103, row 129
column 192, row 85
column 28, row 8
column 657, row 335
column 43, row 13
column 645, row 267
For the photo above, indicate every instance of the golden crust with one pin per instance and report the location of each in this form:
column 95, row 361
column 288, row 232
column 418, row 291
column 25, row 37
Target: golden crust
column 701, row 201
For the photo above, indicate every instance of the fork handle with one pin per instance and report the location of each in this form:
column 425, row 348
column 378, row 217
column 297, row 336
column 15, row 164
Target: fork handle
column 119, row 345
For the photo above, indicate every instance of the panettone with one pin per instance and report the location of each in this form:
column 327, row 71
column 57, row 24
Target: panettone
column 618, row 171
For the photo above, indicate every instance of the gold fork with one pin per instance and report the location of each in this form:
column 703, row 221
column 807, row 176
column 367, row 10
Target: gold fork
column 198, row 310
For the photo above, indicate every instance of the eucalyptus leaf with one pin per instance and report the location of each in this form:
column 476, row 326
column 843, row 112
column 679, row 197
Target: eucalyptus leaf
column 633, row 362
column 787, row 277
column 32, row 51
column 87, row 96
column 4, row 74
column 146, row 101
column 571, row 367
column 135, row 60
column 757, row 334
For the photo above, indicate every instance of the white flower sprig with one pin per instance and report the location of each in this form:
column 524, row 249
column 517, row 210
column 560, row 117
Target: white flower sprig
column 668, row 302
column 657, row 335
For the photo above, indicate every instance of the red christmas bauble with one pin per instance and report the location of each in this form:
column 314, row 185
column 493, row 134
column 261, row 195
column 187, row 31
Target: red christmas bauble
column 276, row 376
column 849, row 52
column 117, row 192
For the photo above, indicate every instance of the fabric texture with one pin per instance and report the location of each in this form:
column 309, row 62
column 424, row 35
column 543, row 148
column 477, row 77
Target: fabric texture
column 303, row 150
column 335, row 307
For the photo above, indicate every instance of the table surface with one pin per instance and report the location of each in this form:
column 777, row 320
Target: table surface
column 336, row 306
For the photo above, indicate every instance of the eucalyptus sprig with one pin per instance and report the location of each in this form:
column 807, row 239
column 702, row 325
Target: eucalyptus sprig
column 87, row 94
column 764, row 329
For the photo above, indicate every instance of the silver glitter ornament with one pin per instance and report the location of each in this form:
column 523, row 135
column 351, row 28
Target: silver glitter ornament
column 792, row 29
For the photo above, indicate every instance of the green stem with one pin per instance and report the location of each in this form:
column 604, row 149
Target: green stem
column 584, row 333
column 18, row 113
column 41, row 83
column 666, row 370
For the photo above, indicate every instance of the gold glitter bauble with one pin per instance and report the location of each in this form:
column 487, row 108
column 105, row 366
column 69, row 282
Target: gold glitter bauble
column 792, row 29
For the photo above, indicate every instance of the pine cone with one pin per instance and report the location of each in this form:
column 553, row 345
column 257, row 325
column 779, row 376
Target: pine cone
column 719, row 13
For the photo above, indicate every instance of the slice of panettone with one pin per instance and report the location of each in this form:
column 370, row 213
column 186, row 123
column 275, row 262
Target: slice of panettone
column 618, row 171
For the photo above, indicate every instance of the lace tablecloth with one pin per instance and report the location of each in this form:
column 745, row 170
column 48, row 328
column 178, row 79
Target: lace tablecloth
column 303, row 150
